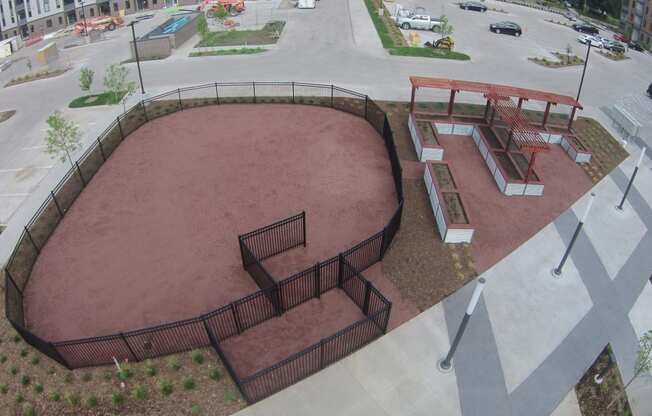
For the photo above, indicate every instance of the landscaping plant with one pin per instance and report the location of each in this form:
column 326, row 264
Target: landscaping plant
column 62, row 137
column 643, row 363
column 115, row 81
column 202, row 27
column 86, row 78
column 445, row 28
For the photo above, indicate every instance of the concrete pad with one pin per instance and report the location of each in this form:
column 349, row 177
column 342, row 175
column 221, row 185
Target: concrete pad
column 9, row 204
column 614, row 234
column 568, row 406
column 521, row 294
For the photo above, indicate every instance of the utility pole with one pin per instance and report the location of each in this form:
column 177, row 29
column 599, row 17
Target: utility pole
column 586, row 61
column 140, row 75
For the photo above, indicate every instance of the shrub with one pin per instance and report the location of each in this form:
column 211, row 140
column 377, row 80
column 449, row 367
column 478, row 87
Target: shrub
column 229, row 396
column 125, row 372
column 35, row 360
column 189, row 383
column 198, row 357
column 16, row 338
column 174, row 364
column 73, row 399
column 28, row 410
column 202, row 27
column 118, row 399
column 87, row 377
column 24, row 380
column 86, row 78
column 107, row 375
column 69, row 378
column 3, row 359
column 195, row 410
column 38, row 388
column 51, row 371
column 215, row 374
column 4, row 388
column 13, row 370
column 150, row 369
column 91, row 401
column 139, row 392
column 55, row 396
column 20, row 398
column 24, row 352
column 166, row 387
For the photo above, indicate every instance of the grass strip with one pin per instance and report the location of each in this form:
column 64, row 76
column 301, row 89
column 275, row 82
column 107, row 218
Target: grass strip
column 227, row 52
column 106, row 98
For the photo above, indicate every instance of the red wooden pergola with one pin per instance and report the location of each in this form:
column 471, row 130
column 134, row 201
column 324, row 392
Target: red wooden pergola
column 494, row 91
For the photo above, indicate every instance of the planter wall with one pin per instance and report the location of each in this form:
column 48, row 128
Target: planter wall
column 574, row 151
column 424, row 150
column 449, row 230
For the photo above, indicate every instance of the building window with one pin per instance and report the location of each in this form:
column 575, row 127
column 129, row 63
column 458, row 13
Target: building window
column 92, row 12
column 38, row 7
column 127, row 4
column 60, row 20
column 48, row 23
column 31, row 28
column 46, row 6
column 58, row 3
column 154, row 2
column 115, row 7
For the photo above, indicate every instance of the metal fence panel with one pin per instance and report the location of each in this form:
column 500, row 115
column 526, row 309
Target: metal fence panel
column 167, row 339
column 299, row 288
column 22, row 260
column 198, row 96
column 276, row 238
column 46, row 222
column 366, row 253
column 236, row 92
column 274, row 92
column 312, row 94
column 223, row 323
column 94, row 351
column 349, row 101
column 13, row 302
column 255, row 309
column 91, row 162
column 111, row 139
column 135, row 117
column 376, row 116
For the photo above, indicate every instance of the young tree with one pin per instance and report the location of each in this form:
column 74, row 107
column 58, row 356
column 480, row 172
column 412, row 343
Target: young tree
column 115, row 81
column 86, row 78
column 445, row 28
column 62, row 137
column 131, row 89
column 202, row 27
column 569, row 51
column 643, row 362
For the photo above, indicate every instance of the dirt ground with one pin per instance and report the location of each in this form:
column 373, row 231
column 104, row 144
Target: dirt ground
column 153, row 238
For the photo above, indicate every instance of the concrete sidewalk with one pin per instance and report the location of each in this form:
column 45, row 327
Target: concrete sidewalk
column 532, row 336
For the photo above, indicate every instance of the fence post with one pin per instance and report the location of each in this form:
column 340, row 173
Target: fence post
column 367, row 294
column 332, row 96
column 63, row 360
column 317, row 281
column 124, row 339
column 236, row 318
column 122, row 135
column 101, row 149
column 276, row 295
column 303, row 215
column 142, row 104
column 382, row 243
column 253, row 83
column 321, row 354
column 340, row 264
column 13, row 282
column 80, row 174
column 242, row 256
column 32, row 240
column 366, row 101
column 217, row 95
column 386, row 323
column 292, row 92
column 179, row 92
column 56, row 204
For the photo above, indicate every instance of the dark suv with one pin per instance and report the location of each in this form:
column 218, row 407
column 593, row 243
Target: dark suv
column 584, row 28
column 649, row 91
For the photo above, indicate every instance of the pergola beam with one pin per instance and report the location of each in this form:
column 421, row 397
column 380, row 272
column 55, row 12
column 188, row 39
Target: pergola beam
column 546, row 114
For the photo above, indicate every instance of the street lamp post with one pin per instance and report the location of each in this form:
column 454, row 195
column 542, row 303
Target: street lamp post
column 140, row 76
column 84, row 17
column 586, row 61
column 556, row 272
column 631, row 180
column 446, row 364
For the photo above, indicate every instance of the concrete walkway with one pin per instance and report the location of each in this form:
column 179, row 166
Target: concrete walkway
column 532, row 336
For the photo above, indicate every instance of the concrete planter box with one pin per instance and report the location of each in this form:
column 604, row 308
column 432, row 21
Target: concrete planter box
column 447, row 204
column 575, row 150
column 427, row 148
column 460, row 129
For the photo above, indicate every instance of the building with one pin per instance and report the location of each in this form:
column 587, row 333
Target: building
column 30, row 18
column 636, row 17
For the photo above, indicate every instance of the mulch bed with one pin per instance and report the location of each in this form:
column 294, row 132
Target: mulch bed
column 6, row 115
column 607, row 152
column 36, row 77
column 594, row 399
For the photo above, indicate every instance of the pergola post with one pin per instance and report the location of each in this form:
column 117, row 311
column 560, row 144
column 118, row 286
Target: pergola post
column 493, row 115
column 451, row 102
column 570, row 120
column 520, row 103
column 530, row 167
column 412, row 99
column 486, row 109
column 546, row 114
column 509, row 139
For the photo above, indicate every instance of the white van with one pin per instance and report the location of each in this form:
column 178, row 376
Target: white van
column 306, row 4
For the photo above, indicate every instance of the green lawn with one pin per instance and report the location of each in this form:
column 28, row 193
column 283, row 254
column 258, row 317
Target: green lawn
column 269, row 34
column 392, row 39
column 106, row 98
column 226, row 52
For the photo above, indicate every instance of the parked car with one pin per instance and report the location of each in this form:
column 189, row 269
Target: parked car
column 473, row 5
column 586, row 39
column 584, row 28
column 649, row 91
column 570, row 16
column 418, row 21
column 509, row 28
column 613, row 46
column 621, row 38
column 635, row 45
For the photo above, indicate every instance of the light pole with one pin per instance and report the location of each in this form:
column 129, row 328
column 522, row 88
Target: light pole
column 586, row 61
column 445, row 365
column 557, row 271
column 631, row 180
column 140, row 76
column 84, row 17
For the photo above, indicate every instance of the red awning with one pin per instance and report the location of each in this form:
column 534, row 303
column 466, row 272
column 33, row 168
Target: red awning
column 500, row 90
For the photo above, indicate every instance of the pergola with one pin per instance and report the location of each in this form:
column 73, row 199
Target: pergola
column 494, row 91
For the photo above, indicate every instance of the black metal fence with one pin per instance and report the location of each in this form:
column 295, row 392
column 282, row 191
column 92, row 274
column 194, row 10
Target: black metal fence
column 342, row 271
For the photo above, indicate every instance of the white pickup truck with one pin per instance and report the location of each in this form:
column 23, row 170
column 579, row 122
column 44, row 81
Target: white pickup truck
column 417, row 21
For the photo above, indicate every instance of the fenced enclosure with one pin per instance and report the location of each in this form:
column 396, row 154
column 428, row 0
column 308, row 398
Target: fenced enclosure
column 275, row 295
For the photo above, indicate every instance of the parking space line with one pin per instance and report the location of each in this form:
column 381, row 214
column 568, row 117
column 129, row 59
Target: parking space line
column 26, row 167
column 34, row 147
column 18, row 195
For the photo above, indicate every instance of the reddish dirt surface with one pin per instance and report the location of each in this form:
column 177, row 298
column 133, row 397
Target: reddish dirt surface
column 274, row 340
column 502, row 223
column 153, row 238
